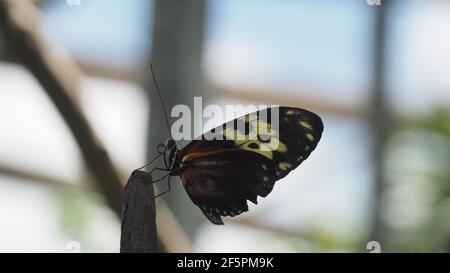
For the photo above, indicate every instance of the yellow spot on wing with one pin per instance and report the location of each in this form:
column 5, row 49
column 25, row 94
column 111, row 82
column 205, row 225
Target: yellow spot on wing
column 258, row 127
column 306, row 125
column 284, row 166
column 250, row 117
column 184, row 159
column 310, row 137
column 267, row 154
column 281, row 147
column 290, row 112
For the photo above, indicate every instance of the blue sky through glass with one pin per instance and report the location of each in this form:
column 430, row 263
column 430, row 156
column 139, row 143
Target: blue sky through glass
column 322, row 44
column 106, row 31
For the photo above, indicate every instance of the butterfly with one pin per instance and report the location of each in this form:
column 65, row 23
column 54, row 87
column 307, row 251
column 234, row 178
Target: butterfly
column 244, row 159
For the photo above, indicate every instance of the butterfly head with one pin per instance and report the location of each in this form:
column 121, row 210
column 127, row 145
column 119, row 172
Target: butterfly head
column 172, row 155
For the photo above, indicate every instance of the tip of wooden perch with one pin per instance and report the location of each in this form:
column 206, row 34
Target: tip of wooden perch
column 138, row 215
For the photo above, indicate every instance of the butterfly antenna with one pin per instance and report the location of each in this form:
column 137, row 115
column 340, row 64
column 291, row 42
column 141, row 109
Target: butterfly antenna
column 160, row 98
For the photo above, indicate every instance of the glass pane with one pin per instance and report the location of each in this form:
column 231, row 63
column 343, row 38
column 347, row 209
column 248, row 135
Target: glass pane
column 319, row 48
column 111, row 32
column 419, row 55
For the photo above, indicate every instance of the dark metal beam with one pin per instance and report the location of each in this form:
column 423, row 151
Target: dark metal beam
column 177, row 42
column 380, row 117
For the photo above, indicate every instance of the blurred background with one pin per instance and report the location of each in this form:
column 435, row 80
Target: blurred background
column 377, row 75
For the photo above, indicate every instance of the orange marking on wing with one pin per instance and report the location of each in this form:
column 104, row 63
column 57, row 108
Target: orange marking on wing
column 191, row 156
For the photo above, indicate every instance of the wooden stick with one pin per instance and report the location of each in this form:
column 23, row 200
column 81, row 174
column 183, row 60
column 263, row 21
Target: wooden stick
column 138, row 215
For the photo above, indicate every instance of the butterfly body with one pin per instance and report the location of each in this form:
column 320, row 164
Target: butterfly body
column 220, row 175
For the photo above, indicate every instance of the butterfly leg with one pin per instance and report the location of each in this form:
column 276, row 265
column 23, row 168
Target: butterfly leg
column 158, row 169
column 153, row 160
column 159, row 179
column 166, row 191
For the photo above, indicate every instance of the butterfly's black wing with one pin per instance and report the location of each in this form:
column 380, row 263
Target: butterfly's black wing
column 221, row 175
column 221, row 183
